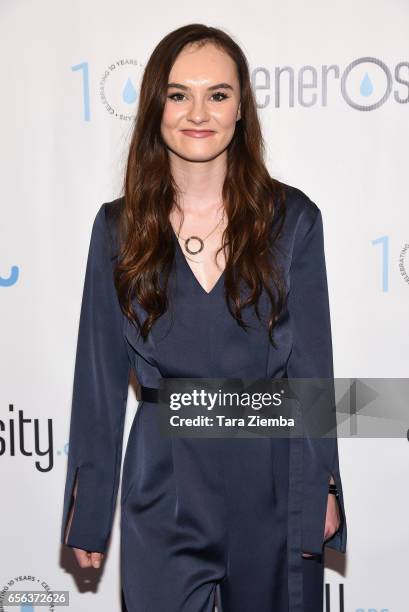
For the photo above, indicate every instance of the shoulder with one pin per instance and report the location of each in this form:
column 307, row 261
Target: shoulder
column 107, row 219
column 302, row 211
column 301, row 214
column 110, row 211
column 302, row 218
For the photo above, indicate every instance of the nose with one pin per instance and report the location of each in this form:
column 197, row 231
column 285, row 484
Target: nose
column 197, row 111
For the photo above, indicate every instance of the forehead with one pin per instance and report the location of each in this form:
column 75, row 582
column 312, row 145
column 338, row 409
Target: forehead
column 202, row 65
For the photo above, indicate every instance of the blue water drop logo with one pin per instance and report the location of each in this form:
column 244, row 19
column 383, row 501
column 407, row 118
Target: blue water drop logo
column 11, row 279
column 129, row 94
column 366, row 86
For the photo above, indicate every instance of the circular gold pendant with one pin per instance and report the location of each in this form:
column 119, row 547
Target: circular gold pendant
column 201, row 245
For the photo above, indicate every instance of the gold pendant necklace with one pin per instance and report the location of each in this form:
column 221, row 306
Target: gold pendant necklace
column 201, row 241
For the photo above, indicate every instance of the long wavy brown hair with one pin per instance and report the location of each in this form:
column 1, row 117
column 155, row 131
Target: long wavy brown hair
column 254, row 201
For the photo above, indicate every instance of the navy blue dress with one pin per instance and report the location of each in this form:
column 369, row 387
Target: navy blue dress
column 196, row 514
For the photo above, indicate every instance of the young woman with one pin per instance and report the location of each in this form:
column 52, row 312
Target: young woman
column 205, row 267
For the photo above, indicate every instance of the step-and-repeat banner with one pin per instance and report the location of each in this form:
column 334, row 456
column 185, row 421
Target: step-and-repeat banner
column 332, row 88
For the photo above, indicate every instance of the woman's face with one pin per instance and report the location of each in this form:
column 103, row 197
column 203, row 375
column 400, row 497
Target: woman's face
column 203, row 94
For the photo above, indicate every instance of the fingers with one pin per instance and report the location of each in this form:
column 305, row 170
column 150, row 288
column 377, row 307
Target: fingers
column 96, row 559
column 330, row 529
column 88, row 559
column 332, row 522
column 83, row 557
column 332, row 525
column 333, row 518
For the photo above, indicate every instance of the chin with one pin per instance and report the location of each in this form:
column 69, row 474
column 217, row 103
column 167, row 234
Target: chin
column 198, row 156
column 202, row 158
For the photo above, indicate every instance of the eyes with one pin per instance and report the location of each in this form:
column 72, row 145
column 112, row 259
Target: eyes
column 218, row 93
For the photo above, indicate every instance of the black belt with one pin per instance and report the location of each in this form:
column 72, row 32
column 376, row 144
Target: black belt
column 149, row 394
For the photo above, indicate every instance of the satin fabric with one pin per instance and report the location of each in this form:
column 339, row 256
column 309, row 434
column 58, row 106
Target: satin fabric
column 200, row 513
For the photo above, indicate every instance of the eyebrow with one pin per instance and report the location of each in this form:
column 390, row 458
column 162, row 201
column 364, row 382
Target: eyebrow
column 211, row 88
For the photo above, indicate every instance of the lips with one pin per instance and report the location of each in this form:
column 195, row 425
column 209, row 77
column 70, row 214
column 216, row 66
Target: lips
column 198, row 133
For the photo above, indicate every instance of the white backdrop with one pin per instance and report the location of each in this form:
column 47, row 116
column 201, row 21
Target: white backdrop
column 343, row 140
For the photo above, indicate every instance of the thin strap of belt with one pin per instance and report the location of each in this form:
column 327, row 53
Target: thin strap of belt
column 149, row 394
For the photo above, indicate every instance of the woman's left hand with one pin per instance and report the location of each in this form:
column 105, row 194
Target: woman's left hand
column 332, row 520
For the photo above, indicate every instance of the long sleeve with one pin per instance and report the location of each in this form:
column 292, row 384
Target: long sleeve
column 100, row 391
column 311, row 357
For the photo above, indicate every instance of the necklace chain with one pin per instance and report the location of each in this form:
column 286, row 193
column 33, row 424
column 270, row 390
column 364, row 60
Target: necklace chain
column 197, row 238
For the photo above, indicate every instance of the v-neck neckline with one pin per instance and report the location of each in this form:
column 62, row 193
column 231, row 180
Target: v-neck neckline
column 190, row 271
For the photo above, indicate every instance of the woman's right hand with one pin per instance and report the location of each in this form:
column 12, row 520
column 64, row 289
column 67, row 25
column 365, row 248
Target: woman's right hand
column 88, row 559
column 85, row 558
